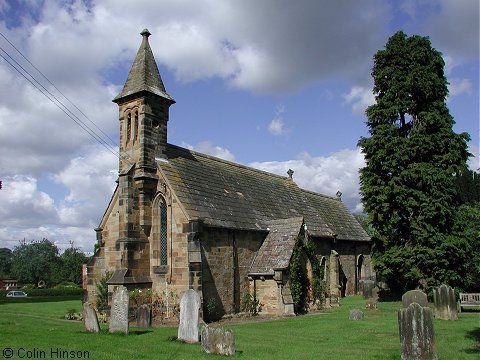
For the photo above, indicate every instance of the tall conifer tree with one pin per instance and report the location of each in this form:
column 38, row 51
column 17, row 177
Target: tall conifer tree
column 408, row 185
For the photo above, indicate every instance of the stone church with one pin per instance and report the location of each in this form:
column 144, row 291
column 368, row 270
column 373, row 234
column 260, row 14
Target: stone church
column 179, row 219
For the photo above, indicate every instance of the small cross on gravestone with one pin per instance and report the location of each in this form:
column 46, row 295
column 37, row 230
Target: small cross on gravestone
column 412, row 296
column 189, row 315
column 119, row 311
column 445, row 303
column 417, row 338
column 90, row 319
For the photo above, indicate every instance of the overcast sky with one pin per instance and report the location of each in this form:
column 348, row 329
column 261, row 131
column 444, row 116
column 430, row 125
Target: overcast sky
column 274, row 84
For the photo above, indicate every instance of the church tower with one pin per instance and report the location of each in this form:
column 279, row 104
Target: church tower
column 143, row 113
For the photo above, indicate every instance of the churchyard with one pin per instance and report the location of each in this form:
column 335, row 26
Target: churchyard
column 35, row 328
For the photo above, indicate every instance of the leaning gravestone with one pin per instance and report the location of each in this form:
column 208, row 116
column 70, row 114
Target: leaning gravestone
column 119, row 311
column 217, row 341
column 417, row 338
column 90, row 319
column 412, row 296
column 189, row 313
column 144, row 316
column 355, row 314
column 445, row 303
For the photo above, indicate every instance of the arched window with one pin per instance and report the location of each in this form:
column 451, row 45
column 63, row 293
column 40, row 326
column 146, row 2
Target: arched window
column 129, row 126
column 163, row 232
column 135, row 126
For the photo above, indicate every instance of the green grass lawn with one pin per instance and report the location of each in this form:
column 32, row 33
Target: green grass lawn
column 38, row 327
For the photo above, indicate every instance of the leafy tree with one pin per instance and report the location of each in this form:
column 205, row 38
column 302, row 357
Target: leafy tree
column 408, row 185
column 35, row 261
column 5, row 263
column 71, row 262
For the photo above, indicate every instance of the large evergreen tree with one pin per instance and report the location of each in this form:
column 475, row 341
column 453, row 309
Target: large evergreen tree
column 408, row 185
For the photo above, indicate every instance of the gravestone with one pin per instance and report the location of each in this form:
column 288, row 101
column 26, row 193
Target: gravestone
column 119, row 311
column 189, row 313
column 445, row 303
column 368, row 286
column 355, row 314
column 417, row 338
column 217, row 341
column 90, row 319
column 412, row 296
column 371, row 303
column 144, row 316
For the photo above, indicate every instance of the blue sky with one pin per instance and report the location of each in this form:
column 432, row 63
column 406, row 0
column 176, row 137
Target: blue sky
column 270, row 84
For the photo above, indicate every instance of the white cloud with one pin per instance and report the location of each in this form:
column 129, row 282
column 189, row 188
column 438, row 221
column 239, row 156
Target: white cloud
column 325, row 175
column 276, row 127
column 29, row 213
column 20, row 195
column 459, row 86
column 360, row 97
column 208, row 148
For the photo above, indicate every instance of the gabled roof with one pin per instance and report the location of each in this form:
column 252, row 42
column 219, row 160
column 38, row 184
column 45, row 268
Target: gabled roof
column 277, row 248
column 230, row 195
column 144, row 75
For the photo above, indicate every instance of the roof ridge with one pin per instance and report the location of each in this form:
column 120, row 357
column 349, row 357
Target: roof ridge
column 316, row 193
column 246, row 167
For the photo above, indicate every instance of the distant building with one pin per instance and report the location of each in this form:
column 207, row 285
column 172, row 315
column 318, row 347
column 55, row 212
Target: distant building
column 181, row 220
column 8, row 284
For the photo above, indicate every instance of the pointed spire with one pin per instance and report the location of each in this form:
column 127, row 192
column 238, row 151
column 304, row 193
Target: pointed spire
column 144, row 74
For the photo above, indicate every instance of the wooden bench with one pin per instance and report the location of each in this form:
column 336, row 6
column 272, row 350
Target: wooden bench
column 469, row 301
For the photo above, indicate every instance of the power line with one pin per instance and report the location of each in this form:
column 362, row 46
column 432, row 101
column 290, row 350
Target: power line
column 51, row 83
column 59, row 104
column 50, row 96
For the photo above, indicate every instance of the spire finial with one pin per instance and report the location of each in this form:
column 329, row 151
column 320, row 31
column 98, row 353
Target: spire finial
column 145, row 33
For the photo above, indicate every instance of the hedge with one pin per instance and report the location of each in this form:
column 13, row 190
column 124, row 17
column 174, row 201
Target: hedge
column 47, row 292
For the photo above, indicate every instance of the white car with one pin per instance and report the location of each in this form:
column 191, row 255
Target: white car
column 17, row 294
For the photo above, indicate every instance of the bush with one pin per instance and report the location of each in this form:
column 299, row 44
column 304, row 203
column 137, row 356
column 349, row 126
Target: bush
column 72, row 314
column 48, row 292
column 251, row 304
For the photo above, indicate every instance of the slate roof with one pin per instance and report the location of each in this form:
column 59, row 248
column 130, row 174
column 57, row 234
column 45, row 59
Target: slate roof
column 277, row 248
column 144, row 74
column 230, row 195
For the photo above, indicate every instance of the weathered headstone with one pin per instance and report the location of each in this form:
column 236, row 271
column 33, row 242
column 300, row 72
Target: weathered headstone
column 445, row 303
column 144, row 316
column 368, row 286
column 355, row 314
column 189, row 314
column 371, row 304
column 119, row 311
column 217, row 341
column 417, row 338
column 90, row 319
column 412, row 296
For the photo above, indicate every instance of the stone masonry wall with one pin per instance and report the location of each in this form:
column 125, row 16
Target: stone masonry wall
column 226, row 259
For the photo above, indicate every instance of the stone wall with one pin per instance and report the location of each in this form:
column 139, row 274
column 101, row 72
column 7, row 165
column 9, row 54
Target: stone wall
column 226, row 259
column 268, row 294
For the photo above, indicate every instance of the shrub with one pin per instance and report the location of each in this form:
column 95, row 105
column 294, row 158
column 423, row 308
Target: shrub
column 72, row 314
column 251, row 304
column 102, row 292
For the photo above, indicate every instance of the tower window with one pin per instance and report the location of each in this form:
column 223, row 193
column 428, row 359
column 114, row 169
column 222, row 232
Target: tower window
column 129, row 126
column 163, row 233
column 136, row 125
